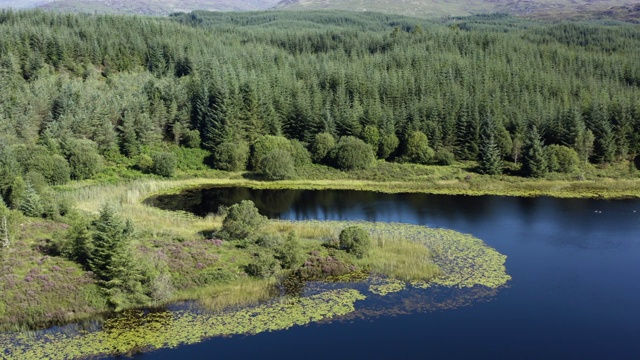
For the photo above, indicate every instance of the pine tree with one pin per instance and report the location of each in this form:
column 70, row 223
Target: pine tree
column 31, row 204
column 489, row 157
column 534, row 161
column 604, row 146
column 110, row 236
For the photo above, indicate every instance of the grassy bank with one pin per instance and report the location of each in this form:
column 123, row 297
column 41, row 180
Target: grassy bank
column 32, row 276
column 213, row 271
column 615, row 181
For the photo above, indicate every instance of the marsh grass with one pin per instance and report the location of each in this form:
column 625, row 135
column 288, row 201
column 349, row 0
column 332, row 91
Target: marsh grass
column 396, row 257
column 391, row 254
column 245, row 292
column 179, row 240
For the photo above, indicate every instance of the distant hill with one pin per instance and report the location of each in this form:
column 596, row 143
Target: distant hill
column 624, row 10
column 146, row 7
column 439, row 8
column 22, row 4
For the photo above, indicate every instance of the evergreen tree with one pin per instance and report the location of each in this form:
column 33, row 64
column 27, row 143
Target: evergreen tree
column 584, row 144
column 534, row 161
column 604, row 146
column 31, row 204
column 109, row 240
column 490, row 157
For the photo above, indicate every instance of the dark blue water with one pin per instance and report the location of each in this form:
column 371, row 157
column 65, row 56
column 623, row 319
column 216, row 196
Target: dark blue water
column 575, row 291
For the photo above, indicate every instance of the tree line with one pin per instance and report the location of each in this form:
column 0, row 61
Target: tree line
column 84, row 92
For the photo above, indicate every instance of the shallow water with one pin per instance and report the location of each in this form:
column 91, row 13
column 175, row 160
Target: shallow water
column 574, row 294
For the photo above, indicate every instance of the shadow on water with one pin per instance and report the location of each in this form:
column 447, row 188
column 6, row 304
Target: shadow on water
column 581, row 223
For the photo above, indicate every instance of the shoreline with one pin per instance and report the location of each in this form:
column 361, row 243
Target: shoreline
column 609, row 189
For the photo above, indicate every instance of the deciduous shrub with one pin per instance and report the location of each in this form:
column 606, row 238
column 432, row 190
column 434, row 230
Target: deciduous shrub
column 562, row 159
column 353, row 154
column 371, row 135
column 322, row 146
column 277, row 165
column 242, row 220
column 84, row 160
column 266, row 144
column 290, row 254
column 164, row 164
column 444, row 157
column 264, row 266
column 388, row 145
column 355, row 240
column 417, row 148
column 231, row 156
column 270, row 241
column 299, row 153
column 144, row 163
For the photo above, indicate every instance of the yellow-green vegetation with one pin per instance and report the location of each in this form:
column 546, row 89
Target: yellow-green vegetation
column 213, row 271
column 135, row 332
column 383, row 287
column 198, row 268
column 421, row 255
column 615, row 181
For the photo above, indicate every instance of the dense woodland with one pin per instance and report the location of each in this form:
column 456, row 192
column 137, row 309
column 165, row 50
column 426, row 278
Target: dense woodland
column 110, row 97
column 81, row 92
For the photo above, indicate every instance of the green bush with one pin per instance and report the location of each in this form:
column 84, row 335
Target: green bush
column 242, row 220
column 230, row 156
column 164, row 164
column 61, row 173
column 144, row 163
column 16, row 192
column 355, row 240
column 84, row 160
column 444, row 157
column 371, row 135
column 270, row 241
column 264, row 266
column 215, row 276
column 321, row 147
column 54, row 168
column 290, row 253
column 388, row 145
column 277, row 165
column 266, row 144
column 191, row 139
column 562, row 159
column 353, row 154
column 37, row 181
column 9, row 169
column 417, row 148
column 299, row 153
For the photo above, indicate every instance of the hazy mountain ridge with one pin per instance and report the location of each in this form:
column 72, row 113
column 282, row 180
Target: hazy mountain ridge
column 145, row 7
column 587, row 9
column 437, row 8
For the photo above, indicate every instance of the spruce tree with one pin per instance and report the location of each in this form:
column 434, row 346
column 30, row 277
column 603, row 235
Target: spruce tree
column 110, row 236
column 490, row 158
column 31, row 204
column 534, row 161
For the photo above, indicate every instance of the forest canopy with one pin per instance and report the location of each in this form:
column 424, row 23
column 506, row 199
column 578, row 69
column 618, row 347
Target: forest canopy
column 83, row 92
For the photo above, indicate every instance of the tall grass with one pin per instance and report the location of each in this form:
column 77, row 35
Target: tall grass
column 127, row 198
column 395, row 256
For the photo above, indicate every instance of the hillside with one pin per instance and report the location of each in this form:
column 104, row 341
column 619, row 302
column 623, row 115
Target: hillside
column 146, row 7
column 439, row 8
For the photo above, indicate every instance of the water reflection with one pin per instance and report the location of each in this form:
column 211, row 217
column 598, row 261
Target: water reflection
column 580, row 223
